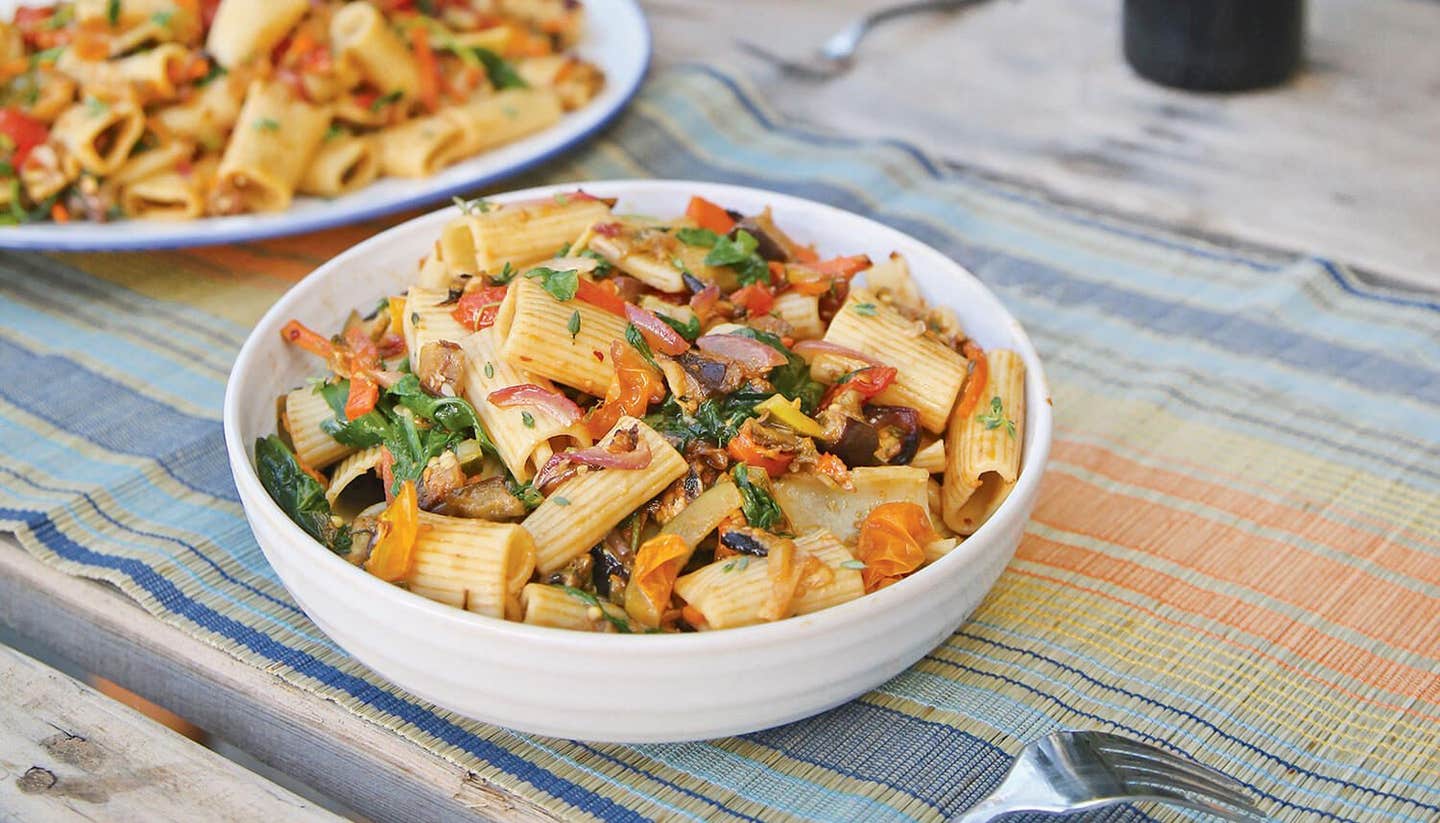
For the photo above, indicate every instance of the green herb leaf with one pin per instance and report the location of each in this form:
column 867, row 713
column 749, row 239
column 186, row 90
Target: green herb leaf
column 602, row 266
column 216, row 71
column 863, row 309
column 112, row 12
column 334, row 132
column 574, row 325
column 740, row 255
column 690, row 330
column 793, row 379
column 386, row 99
column 489, row 369
column 502, row 75
column 698, row 237
column 638, row 342
column 267, row 124
column 49, row 55
column 163, row 18
column 525, row 493
column 505, row 276
column 761, row 510
column 716, row 420
column 477, row 206
column 621, row 624
column 995, row 418
column 297, row 493
column 562, row 285
column 528, row 419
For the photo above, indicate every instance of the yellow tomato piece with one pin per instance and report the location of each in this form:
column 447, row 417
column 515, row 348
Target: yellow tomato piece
column 788, row 412
column 657, row 564
column 394, row 550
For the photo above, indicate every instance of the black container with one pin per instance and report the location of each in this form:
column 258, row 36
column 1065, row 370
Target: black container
column 1215, row 45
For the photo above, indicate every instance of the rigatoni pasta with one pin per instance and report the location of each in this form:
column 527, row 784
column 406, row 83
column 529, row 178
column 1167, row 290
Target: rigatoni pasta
column 561, row 442
column 274, row 99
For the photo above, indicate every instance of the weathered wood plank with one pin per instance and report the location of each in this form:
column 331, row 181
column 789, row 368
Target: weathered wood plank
column 68, row 752
column 368, row 768
column 1344, row 162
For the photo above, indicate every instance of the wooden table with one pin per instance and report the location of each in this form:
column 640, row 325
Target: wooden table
column 1344, row 163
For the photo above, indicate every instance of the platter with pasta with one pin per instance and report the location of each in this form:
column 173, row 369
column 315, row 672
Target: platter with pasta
column 655, row 413
column 156, row 123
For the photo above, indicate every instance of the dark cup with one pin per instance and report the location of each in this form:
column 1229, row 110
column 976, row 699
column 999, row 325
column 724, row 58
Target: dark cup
column 1215, row 45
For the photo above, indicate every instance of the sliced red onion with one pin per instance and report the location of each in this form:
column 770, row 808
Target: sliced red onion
column 552, row 403
column 704, row 300
column 600, row 457
column 809, row 349
column 657, row 332
column 744, row 350
column 387, row 378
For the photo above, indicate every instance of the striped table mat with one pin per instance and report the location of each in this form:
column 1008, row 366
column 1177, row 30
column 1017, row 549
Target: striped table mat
column 1236, row 553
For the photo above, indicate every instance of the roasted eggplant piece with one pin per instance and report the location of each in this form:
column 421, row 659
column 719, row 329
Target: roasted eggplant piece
column 889, row 435
column 488, row 500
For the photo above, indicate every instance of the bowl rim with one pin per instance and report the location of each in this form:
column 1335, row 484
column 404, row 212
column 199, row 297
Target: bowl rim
column 257, row 503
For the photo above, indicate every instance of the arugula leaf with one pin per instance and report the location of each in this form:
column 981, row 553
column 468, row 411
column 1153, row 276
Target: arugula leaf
column 689, row 330
column 298, row 494
column 525, row 492
column 761, row 510
column 716, row 420
column 562, row 285
column 739, row 254
column 698, row 237
column 455, row 414
column 792, row 379
column 603, row 267
column 502, row 75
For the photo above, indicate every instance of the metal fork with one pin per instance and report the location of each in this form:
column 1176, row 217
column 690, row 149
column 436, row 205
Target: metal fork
column 838, row 52
column 1071, row 771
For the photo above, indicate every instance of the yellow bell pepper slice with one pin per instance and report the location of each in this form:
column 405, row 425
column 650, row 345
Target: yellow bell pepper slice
column 788, row 412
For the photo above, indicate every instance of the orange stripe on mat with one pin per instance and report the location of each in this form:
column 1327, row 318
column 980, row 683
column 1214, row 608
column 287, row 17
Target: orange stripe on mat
column 1312, row 526
column 1303, row 641
column 1227, row 640
column 1344, row 595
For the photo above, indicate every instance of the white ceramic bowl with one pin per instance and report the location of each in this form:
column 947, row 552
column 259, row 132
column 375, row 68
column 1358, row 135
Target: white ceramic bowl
column 610, row 687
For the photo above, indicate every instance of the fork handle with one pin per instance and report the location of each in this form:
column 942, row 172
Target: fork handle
column 842, row 46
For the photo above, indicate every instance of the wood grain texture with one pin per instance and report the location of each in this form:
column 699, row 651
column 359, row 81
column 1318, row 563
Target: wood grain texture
column 369, row 769
column 68, row 752
column 1344, row 162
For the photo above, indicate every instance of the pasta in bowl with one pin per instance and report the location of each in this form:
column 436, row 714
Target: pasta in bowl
column 140, row 123
column 732, row 426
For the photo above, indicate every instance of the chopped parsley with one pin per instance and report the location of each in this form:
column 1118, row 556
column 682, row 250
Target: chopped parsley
column 574, row 325
column 995, row 418
column 562, row 285
column 267, row 124
column 864, row 309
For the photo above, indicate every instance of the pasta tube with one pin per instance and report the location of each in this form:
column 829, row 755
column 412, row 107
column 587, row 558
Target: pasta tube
column 931, row 458
column 574, row 81
column 582, row 509
column 170, row 195
column 341, row 165
column 555, row 607
column 428, row 319
column 305, row 410
column 929, row 373
column 100, row 133
column 520, row 234
column 358, row 32
column 523, row 447
column 244, row 29
column 536, row 330
column 419, row 147
column 351, row 469
column 493, row 121
column 984, row 444
column 734, row 592
column 207, row 117
column 269, row 150
column 474, row 564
